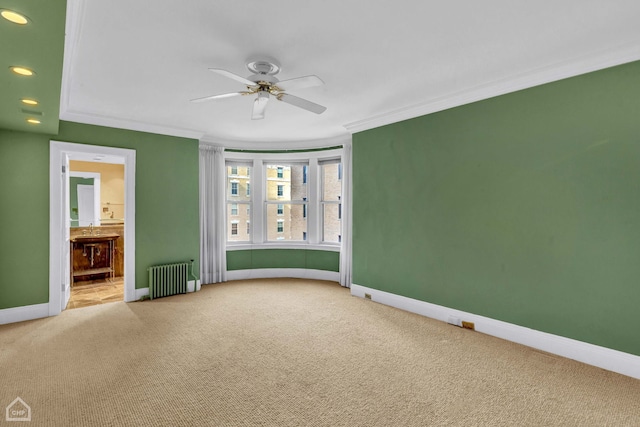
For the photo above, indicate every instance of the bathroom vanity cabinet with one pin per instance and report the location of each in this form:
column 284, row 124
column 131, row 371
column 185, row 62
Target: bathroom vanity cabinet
column 93, row 255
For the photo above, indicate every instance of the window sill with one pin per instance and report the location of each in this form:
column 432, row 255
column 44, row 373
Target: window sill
column 289, row 245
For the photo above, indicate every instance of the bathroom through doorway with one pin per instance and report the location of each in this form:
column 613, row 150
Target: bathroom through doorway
column 92, row 232
column 96, row 207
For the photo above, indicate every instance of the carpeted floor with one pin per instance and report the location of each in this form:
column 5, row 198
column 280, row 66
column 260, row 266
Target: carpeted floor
column 288, row 352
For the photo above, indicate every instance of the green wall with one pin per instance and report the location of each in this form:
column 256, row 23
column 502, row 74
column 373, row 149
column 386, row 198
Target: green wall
column 283, row 258
column 523, row 208
column 24, row 219
column 167, row 225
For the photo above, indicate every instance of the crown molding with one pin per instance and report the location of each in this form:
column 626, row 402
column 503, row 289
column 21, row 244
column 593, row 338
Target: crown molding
column 75, row 12
column 73, row 28
column 598, row 60
column 73, row 25
column 277, row 145
column 102, row 120
column 622, row 54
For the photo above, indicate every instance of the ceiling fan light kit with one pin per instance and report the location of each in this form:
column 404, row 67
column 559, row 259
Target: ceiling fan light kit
column 264, row 83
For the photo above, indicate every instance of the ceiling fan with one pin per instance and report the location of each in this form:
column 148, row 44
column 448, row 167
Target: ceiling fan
column 264, row 83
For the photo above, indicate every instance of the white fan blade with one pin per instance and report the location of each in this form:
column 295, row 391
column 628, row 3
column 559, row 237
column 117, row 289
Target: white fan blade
column 235, row 77
column 300, row 83
column 302, row 103
column 259, row 105
column 224, row 95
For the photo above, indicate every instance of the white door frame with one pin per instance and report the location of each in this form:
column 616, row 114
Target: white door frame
column 57, row 152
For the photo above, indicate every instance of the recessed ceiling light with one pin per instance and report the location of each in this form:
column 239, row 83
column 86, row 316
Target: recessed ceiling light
column 33, row 121
column 29, row 101
column 23, row 71
column 14, row 17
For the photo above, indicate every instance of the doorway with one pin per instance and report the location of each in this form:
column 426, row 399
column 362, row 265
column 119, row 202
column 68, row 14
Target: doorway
column 96, row 202
column 60, row 266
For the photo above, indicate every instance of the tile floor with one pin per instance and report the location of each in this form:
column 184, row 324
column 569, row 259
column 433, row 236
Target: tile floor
column 93, row 292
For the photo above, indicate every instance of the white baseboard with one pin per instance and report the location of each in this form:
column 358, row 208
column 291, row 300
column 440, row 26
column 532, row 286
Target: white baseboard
column 27, row 312
column 297, row 273
column 142, row 292
column 66, row 297
column 193, row 285
column 602, row 357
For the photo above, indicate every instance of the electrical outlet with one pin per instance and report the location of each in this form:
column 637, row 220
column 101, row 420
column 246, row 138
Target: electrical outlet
column 469, row 325
column 367, row 296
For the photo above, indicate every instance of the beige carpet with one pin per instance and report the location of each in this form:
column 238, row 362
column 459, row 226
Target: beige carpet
column 291, row 353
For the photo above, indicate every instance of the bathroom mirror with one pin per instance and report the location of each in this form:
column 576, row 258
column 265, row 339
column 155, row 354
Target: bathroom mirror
column 84, row 198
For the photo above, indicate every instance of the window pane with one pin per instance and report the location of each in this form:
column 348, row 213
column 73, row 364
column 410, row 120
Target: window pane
column 331, row 222
column 238, row 213
column 286, row 182
column 291, row 222
column 331, row 181
column 238, row 187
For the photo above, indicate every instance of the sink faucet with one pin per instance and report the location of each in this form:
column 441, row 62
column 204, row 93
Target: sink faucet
column 91, row 229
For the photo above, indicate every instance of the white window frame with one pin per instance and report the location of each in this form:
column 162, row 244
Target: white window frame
column 235, row 199
column 323, row 202
column 281, row 165
column 258, row 217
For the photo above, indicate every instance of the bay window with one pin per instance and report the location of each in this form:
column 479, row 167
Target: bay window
column 296, row 198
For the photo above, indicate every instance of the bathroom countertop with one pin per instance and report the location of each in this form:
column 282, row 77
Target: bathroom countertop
column 94, row 238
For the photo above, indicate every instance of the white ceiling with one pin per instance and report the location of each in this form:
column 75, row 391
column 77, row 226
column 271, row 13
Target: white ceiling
column 136, row 64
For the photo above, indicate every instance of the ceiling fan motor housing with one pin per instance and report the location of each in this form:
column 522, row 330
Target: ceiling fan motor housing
column 270, row 80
